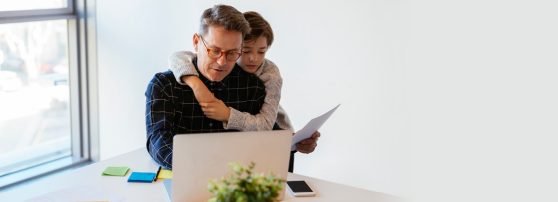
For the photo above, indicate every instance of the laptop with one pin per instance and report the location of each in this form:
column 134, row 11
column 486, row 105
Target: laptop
column 199, row 158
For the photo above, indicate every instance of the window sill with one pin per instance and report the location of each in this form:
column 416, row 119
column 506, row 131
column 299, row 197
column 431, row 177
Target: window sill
column 39, row 171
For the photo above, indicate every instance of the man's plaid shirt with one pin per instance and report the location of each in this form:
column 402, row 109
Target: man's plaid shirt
column 171, row 108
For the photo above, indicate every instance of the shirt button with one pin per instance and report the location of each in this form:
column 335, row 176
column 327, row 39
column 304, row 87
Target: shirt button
column 210, row 124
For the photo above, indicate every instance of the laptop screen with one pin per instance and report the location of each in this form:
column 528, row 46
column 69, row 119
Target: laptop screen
column 199, row 158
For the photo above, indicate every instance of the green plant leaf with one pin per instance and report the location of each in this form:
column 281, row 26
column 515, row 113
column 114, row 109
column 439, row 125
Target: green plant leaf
column 245, row 186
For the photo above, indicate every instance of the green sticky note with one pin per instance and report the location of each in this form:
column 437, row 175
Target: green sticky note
column 116, row 171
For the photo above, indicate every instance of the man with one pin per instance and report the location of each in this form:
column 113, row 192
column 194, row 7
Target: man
column 171, row 108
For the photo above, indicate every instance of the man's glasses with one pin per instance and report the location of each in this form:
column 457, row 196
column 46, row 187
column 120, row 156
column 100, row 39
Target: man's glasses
column 231, row 55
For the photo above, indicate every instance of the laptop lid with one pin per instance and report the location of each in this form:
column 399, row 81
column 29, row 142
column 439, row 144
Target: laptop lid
column 199, row 158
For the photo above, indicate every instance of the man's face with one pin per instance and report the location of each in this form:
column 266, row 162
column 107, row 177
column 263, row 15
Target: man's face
column 218, row 40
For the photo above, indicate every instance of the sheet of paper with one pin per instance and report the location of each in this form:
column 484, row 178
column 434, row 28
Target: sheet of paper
column 116, row 171
column 165, row 174
column 311, row 127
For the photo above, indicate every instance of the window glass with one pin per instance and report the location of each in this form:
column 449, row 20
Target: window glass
column 35, row 122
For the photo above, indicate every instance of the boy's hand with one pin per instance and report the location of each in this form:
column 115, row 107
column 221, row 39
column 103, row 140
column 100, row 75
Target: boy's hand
column 216, row 110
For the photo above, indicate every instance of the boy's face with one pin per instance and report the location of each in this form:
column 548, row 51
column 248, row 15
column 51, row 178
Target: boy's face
column 253, row 54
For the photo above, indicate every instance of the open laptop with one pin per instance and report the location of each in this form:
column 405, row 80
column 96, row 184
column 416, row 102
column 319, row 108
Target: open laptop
column 199, row 158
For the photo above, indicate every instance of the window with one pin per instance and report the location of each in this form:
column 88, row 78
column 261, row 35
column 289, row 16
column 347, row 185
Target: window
column 43, row 88
column 11, row 5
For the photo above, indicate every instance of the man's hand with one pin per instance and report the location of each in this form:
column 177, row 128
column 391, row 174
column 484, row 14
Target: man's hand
column 216, row 110
column 308, row 145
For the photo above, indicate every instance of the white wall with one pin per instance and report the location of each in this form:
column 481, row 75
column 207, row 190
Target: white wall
column 483, row 100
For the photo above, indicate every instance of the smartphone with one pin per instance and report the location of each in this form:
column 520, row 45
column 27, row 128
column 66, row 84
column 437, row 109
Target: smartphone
column 300, row 188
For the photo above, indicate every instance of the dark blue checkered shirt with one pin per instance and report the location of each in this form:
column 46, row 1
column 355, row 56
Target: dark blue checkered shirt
column 171, row 108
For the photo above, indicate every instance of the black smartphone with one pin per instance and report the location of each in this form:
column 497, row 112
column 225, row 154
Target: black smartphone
column 300, row 188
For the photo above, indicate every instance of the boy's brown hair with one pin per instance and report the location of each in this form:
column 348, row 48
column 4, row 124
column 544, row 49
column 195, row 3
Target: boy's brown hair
column 259, row 27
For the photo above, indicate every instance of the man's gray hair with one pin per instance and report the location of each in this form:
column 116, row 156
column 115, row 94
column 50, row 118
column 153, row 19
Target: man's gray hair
column 225, row 16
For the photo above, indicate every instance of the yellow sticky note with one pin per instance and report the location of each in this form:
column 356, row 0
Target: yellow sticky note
column 165, row 174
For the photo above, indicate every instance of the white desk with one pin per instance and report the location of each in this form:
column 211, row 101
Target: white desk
column 89, row 179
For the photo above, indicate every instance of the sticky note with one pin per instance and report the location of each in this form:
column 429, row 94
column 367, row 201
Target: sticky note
column 142, row 177
column 116, row 171
column 165, row 174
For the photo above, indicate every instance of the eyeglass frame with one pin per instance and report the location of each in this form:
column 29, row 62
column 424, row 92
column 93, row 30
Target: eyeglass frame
column 221, row 53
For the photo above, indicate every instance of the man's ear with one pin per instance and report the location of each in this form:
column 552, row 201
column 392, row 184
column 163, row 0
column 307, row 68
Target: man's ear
column 195, row 40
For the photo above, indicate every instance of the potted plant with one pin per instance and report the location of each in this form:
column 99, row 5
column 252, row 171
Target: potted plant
column 245, row 186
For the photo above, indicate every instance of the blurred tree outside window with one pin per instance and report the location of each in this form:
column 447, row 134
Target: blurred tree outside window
column 35, row 90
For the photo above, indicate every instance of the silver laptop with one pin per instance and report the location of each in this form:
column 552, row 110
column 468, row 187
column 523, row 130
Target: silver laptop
column 199, row 158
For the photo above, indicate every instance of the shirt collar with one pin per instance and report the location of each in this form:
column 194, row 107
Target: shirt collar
column 211, row 85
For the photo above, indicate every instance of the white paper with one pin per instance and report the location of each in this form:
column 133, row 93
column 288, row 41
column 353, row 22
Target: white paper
column 311, row 127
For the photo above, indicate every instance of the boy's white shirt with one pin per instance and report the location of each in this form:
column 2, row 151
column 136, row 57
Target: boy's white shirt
column 181, row 65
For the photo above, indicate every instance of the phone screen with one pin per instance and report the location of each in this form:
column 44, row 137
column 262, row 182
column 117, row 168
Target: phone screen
column 299, row 186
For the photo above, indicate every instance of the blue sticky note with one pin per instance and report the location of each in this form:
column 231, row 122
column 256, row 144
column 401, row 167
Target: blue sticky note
column 142, row 177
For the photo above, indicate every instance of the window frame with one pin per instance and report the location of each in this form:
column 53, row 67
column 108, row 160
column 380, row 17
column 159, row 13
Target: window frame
column 39, row 14
column 80, row 17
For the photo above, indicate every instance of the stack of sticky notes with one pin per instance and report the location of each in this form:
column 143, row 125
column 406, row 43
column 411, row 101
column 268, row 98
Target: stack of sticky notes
column 142, row 177
column 116, row 171
column 146, row 177
column 165, row 174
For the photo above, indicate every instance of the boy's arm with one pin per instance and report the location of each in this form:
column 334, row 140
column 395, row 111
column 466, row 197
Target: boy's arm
column 283, row 120
column 201, row 92
column 181, row 64
column 265, row 119
column 185, row 73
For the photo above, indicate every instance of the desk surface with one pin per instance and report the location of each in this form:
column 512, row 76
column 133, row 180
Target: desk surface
column 89, row 179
